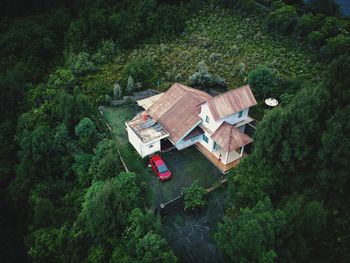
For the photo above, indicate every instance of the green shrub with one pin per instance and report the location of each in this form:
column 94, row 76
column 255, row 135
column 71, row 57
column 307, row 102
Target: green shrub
column 263, row 81
column 282, row 20
column 80, row 64
column 203, row 79
column 117, row 91
column 214, row 57
column 142, row 70
column 105, row 53
column 194, row 196
column 130, row 87
column 315, row 39
column 308, row 23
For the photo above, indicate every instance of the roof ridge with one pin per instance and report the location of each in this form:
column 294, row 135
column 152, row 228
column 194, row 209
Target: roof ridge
column 192, row 90
column 226, row 92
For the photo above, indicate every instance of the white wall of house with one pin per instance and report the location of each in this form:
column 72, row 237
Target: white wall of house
column 184, row 144
column 143, row 149
column 150, row 148
column 213, row 125
column 208, row 145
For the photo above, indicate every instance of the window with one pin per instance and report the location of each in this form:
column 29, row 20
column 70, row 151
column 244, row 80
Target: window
column 240, row 114
column 207, row 119
column 205, row 138
column 194, row 138
column 216, row 146
column 162, row 168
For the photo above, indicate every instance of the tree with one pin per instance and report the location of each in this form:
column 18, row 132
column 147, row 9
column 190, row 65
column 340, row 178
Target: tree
column 153, row 248
column 86, row 133
column 336, row 46
column 80, row 64
column 327, row 7
column 117, row 91
column 105, row 163
column 49, row 245
column 305, row 226
column 108, row 167
column 106, row 52
column 263, row 81
column 142, row 70
column 282, row 20
column 143, row 242
column 81, row 168
column 107, row 204
column 62, row 79
column 203, row 79
column 308, row 23
column 194, row 196
column 253, row 234
column 130, row 87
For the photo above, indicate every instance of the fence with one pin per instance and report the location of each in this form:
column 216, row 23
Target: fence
column 109, row 129
column 168, row 207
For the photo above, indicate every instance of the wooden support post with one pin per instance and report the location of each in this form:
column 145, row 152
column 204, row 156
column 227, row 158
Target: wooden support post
column 242, row 150
column 226, row 157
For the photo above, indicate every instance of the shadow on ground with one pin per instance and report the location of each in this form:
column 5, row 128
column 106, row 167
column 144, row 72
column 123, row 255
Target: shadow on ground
column 191, row 235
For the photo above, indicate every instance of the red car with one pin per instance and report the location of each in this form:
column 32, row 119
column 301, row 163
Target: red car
column 160, row 168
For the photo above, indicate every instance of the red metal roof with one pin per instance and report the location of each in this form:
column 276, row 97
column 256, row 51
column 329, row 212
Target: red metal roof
column 177, row 110
column 230, row 102
column 195, row 132
column 230, row 138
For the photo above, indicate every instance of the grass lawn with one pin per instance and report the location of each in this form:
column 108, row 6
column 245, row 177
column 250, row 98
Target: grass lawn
column 186, row 165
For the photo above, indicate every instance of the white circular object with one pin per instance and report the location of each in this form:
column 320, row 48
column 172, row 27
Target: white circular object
column 271, row 102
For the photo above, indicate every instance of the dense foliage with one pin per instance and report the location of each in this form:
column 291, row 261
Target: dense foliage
column 64, row 194
column 300, row 160
column 194, row 196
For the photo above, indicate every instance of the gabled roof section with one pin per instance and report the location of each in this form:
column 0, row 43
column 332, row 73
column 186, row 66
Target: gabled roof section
column 231, row 102
column 177, row 110
column 230, row 138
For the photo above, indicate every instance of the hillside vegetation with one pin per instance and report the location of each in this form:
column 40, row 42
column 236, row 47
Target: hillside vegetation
column 230, row 43
column 64, row 194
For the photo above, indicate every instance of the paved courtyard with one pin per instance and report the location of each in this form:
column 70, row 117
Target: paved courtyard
column 186, row 165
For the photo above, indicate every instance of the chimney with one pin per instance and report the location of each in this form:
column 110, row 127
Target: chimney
column 144, row 116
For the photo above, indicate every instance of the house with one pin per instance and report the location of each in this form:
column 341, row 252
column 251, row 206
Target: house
column 183, row 116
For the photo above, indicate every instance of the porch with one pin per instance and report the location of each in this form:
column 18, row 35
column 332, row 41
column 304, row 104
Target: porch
column 233, row 160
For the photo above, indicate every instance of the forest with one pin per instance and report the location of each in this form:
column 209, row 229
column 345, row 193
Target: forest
column 64, row 195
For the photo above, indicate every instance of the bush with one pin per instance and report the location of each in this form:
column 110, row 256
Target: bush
column 308, row 23
column 315, row 39
column 203, row 79
column 194, row 196
column 282, row 20
column 130, row 87
column 240, row 69
column 62, row 79
column 105, row 52
column 141, row 70
column 214, row 57
column 117, row 91
column 80, row 64
column 263, row 81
